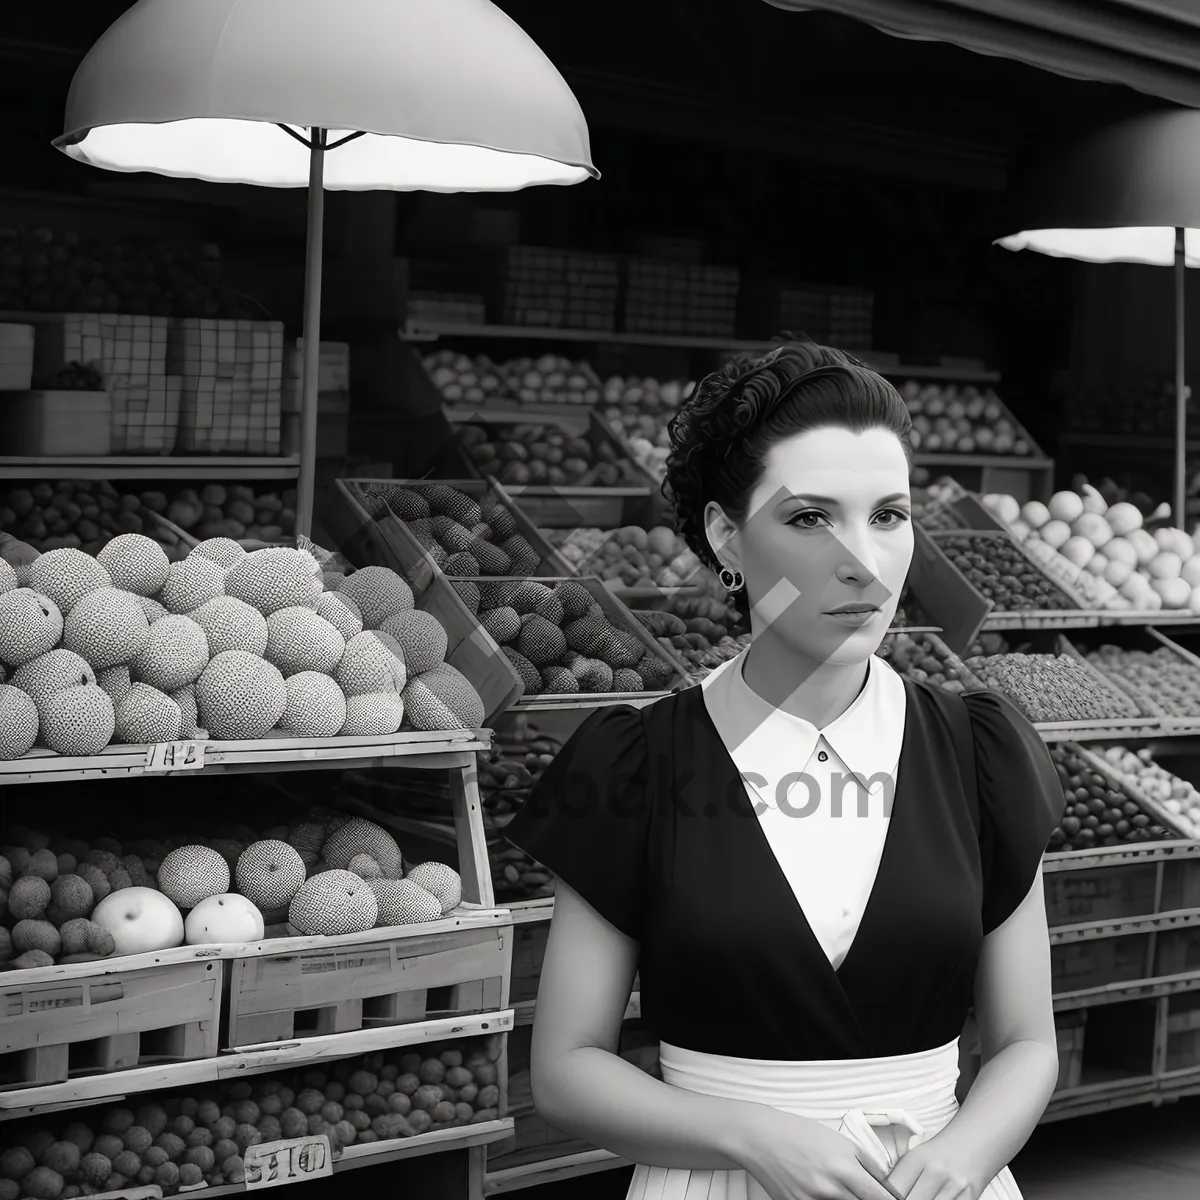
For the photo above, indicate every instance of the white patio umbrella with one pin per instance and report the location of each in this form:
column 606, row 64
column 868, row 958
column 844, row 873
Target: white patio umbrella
column 1130, row 193
column 351, row 95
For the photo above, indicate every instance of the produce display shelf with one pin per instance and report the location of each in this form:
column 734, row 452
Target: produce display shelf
column 1086, row 731
column 431, row 331
column 1000, row 622
column 151, row 467
column 441, row 750
column 242, row 1061
column 437, row 1141
column 1115, row 993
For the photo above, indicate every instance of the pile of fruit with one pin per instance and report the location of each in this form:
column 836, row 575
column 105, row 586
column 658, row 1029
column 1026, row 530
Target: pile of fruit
column 636, row 557
column 998, row 569
column 641, row 409
column 467, row 538
column 44, row 270
column 1176, row 795
column 1052, row 688
column 230, row 511
column 86, row 515
column 202, row 1138
column 510, row 768
column 931, row 511
column 67, row 900
column 548, row 456
column 1159, row 679
column 954, row 420
column 688, row 638
column 551, row 379
column 560, row 641
column 224, row 644
column 1130, row 567
column 702, row 662
column 516, row 876
column 1096, row 813
column 925, row 658
column 462, row 379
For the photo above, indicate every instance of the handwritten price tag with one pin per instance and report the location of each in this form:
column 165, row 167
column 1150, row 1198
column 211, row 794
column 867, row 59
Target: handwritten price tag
column 174, row 756
column 275, row 1163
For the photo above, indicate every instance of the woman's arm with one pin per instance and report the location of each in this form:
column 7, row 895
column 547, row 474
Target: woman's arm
column 1014, row 1011
column 582, row 1086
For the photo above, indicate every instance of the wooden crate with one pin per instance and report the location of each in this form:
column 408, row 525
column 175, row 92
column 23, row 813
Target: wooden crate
column 360, row 503
column 944, row 593
column 386, row 541
column 529, row 951
column 1074, row 606
column 86, row 1018
column 1183, row 1032
column 1070, row 1028
column 317, row 986
column 1078, row 966
column 622, row 618
column 1104, row 893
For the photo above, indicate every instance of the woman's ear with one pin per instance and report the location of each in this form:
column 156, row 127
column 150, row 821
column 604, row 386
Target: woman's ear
column 721, row 532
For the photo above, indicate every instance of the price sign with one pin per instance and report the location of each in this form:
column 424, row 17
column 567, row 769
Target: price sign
column 174, row 756
column 275, row 1163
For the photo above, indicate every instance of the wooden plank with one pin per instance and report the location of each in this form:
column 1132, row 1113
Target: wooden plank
column 249, row 1060
column 474, row 867
column 383, row 981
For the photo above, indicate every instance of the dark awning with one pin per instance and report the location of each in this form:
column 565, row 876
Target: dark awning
column 1152, row 46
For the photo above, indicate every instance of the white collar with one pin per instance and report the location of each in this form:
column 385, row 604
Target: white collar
column 867, row 737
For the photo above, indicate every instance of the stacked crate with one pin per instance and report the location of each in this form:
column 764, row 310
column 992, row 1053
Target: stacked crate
column 232, row 374
column 559, row 288
column 681, row 299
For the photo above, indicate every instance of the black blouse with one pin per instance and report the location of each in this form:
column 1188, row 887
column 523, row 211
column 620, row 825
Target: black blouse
column 645, row 815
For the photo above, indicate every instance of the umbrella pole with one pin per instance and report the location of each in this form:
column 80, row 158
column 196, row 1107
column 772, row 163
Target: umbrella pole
column 1180, row 383
column 310, row 374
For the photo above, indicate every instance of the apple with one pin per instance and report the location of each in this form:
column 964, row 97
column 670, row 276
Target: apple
column 1097, row 564
column 222, row 919
column 1175, row 593
column 141, row 920
column 1066, row 506
column 1035, row 514
column 1055, row 533
column 1124, row 518
column 1078, row 550
column 1121, row 550
column 1117, row 572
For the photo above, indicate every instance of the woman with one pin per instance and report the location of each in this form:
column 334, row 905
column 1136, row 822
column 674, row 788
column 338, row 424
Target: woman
column 816, row 864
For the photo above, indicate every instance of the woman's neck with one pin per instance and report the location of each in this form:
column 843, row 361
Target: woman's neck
column 787, row 679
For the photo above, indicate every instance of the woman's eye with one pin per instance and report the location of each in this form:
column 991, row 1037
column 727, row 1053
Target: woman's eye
column 893, row 517
column 807, row 520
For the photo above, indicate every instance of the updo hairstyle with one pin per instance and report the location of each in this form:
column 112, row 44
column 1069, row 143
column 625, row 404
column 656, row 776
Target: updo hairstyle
column 722, row 433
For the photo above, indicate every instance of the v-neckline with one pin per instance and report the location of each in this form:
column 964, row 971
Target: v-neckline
column 897, row 822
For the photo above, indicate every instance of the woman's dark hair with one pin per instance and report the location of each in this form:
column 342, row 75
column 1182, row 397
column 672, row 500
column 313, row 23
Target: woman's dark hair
column 722, row 433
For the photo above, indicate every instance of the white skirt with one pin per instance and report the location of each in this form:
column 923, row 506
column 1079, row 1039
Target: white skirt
column 885, row 1106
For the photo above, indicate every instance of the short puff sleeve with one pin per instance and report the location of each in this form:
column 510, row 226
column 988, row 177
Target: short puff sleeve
column 587, row 818
column 1021, row 802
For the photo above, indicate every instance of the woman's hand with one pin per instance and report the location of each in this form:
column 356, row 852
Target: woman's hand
column 933, row 1171
column 794, row 1158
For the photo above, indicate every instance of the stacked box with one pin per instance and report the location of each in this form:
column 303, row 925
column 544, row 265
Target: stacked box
column 683, row 299
column 560, row 288
column 232, row 384
column 109, row 343
column 333, row 375
column 16, row 358
column 452, row 307
column 145, row 413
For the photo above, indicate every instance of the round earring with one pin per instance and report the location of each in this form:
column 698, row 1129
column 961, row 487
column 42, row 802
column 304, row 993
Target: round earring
column 731, row 580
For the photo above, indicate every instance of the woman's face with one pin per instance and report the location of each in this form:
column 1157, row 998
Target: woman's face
column 826, row 543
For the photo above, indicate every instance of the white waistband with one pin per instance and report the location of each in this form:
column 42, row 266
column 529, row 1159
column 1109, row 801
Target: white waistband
column 920, row 1085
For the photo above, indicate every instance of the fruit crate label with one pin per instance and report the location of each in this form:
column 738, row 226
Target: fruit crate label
column 45, row 1001
column 297, row 1160
column 165, row 757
